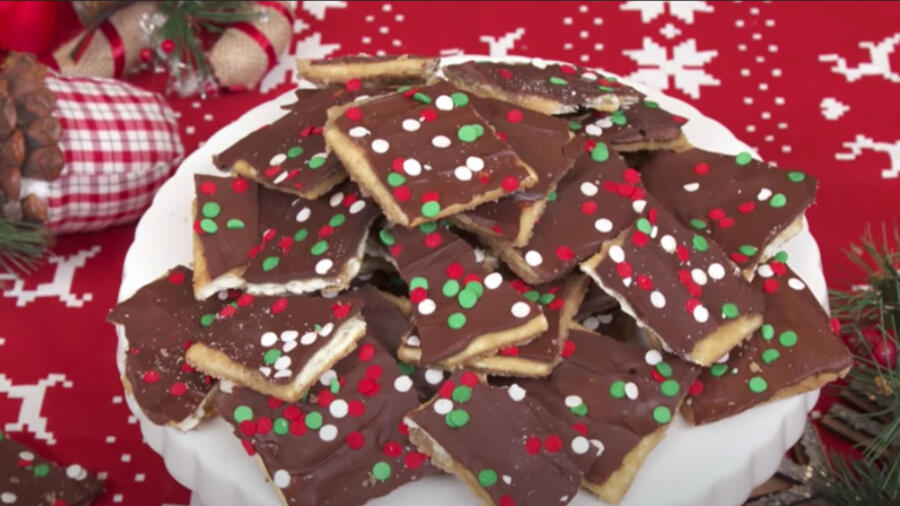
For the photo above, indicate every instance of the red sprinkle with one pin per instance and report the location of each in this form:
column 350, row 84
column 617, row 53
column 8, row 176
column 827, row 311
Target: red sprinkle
column 624, row 269
column 567, row 69
column 428, row 115
column 640, row 239
column 248, row 447
column 298, row 427
column 325, row 231
column 631, row 176
column 770, row 285
column 150, row 377
column 778, row 267
column 279, row 305
column 454, row 270
column 433, row 240
column 402, row 428
column 469, row 278
column 446, row 389
column 368, row 387
column 356, row 408
column 510, row 351
column 349, row 199
column 417, row 295
column 430, row 195
column 580, row 427
column 355, row 440
column 701, row 169
column 683, row 254
column 556, row 304
column 269, row 234
column 325, row 398
column 263, row 425
column 353, row 84
column 691, row 304
column 178, row 389
column 469, row 379
column 514, row 116
column 652, row 216
column 505, row 74
column 659, row 378
column 726, row 222
column 176, row 278
column 292, row 412
column 366, row 352
column 339, row 310
column 501, row 136
column 716, row 214
column 644, row 282
column 588, row 207
column 354, row 113
column 564, row 253
column 374, row 371
column 506, row 500
column 402, row 193
column 738, row 257
column 553, row 443
column 533, row 445
column 484, row 179
column 696, row 388
column 247, row 428
column 186, row 367
column 272, row 171
column 414, row 460
column 835, row 325
column 589, row 146
column 510, row 184
column 245, row 300
column 392, row 449
column 227, row 311
column 747, row 207
column 208, row 188
column 568, row 349
column 497, row 229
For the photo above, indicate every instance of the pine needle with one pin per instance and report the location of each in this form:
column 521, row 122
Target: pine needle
column 22, row 246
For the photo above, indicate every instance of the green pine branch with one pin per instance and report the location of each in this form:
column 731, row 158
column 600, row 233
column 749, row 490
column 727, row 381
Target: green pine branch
column 22, row 246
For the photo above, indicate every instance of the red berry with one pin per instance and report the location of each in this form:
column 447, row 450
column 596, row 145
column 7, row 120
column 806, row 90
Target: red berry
column 167, row 46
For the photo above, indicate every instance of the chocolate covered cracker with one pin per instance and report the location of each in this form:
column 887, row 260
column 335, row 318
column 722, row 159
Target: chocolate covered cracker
column 29, row 480
column 161, row 321
column 545, row 144
column 640, row 126
column 345, row 443
column 600, row 312
column 502, row 443
column 424, row 153
column 794, row 351
column 621, row 399
column 746, row 206
column 680, row 286
column 593, row 202
column 560, row 300
column 461, row 310
column 542, row 87
column 278, row 346
column 405, row 69
column 225, row 229
column 309, row 245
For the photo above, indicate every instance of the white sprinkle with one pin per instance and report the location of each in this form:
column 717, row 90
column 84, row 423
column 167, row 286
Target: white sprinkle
column 440, row 141
column 359, row 131
column 765, row 270
column 520, row 309
column 357, row 206
column 280, row 178
column 323, row 266
column 336, row 199
column 493, row 280
column 691, row 187
column 289, row 346
column 588, row 188
column 278, row 159
column 281, row 478
column 516, row 392
column 303, row 215
column 616, row 253
column 573, row 401
column 764, row 194
column 591, row 323
column 265, row 371
column 631, row 390
column 716, row 271
column 426, row 307
column 652, row 357
column 668, row 243
column 580, row 445
column 339, row 408
column 76, row 472
column 594, row 130
column 701, row 314
column 328, row 432
column 539, row 63
column 413, row 341
column 412, row 167
column 433, row 376
column 639, row 205
column 533, row 258
column 327, row 376
column 380, row 146
column 507, row 479
column 443, row 406
column 326, row 329
column 796, row 284
column 698, row 276
column 605, row 318
column 284, row 373
column 308, row 338
column 723, row 358
column 411, row 125
column 589, row 76
column 654, row 232
column 603, row 225
column 657, row 299
column 627, row 281
column 289, row 335
column 402, row 384
column 444, row 103
column 474, row 163
column 268, row 339
column 283, row 363
column 462, row 173
column 598, row 445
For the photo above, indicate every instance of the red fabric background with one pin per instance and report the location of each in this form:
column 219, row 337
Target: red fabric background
column 771, row 84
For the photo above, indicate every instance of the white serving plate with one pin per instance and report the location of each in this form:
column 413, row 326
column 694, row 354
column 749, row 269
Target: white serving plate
column 717, row 464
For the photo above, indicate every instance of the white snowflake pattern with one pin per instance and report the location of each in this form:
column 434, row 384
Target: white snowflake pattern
column 864, row 143
column 879, row 63
column 651, row 10
column 685, row 66
column 500, row 46
column 317, row 9
column 832, row 108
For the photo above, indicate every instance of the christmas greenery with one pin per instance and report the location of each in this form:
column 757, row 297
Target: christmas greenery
column 22, row 246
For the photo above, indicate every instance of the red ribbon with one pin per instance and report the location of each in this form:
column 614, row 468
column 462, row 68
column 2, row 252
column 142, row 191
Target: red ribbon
column 115, row 45
column 278, row 6
column 256, row 34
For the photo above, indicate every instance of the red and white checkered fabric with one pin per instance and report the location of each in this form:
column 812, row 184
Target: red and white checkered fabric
column 120, row 144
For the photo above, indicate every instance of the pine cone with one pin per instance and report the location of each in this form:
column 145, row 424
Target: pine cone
column 10, row 183
column 8, row 115
column 12, row 150
column 44, row 131
column 35, row 104
column 34, row 209
column 44, row 163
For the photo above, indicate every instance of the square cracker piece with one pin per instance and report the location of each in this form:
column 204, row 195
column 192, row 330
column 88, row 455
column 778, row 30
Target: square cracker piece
column 794, row 351
column 461, row 310
column 405, row 69
column 541, row 86
column 636, row 127
column 279, row 346
column 309, row 245
column 594, row 201
column 620, row 397
column 424, row 153
column 546, row 145
column 502, row 443
column 747, row 206
column 225, row 230
column 343, row 444
column 678, row 285
column 161, row 320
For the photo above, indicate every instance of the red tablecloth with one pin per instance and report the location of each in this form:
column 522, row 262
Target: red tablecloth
column 809, row 85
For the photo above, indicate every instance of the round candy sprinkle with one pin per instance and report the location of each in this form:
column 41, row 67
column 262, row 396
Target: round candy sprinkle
column 796, row 176
column 459, row 98
column 493, row 280
column 520, row 309
column 618, row 117
column 431, row 209
column 652, row 357
column 208, row 226
column 316, row 162
column 381, row 471
column 440, row 141
column 781, row 256
column 234, row 224
column 242, row 414
column 600, row 153
column 456, row 321
column 757, row 385
column 211, row 209
column 617, row 389
column 767, row 331
column 380, row 146
column 395, row 179
column 467, row 299
column 770, row 355
column 487, row 477
column 457, row 418
column 579, row 410
column 546, row 298
column 533, row 258
column 476, row 287
column 698, row 224
column 467, row 133
column 718, row 369
column 313, row 420
column 281, row 478
column 651, row 104
column 319, row 248
column 450, row 288
column 661, row 414
column 271, row 356
column 294, row 152
column 270, row 263
column 207, row 319
column 743, row 158
column 699, row 243
column 281, row 426
column 778, row 200
column 461, row 394
column 788, row 338
column 558, row 81
column 41, row 470
column 337, row 220
column 421, row 97
column 664, row 369
column 428, row 227
column 669, row 388
column 748, row 250
column 418, row 282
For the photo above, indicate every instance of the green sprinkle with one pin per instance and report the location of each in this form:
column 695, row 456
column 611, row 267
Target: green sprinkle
column 608, row 89
column 281, row 426
column 467, row 299
column 313, row 420
column 406, row 369
column 271, row 356
column 661, row 415
column 381, row 471
column 559, row 81
column 468, row 133
column 41, row 470
column 611, row 79
column 788, row 338
column 242, row 414
column 700, row 243
column 600, row 153
column 574, row 126
column 479, row 130
column 532, row 295
column 770, row 355
column 778, row 200
column 459, row 98
column 664, row 369
column 650, row 104
column 457, row 418
column 294, row 152
column 579, row 410
column 316, row 162
column 461, row 394
column 743, row 158
column 476, row 287
column 643, row 224
column 781, row 256
column 386, row 237
column 450, row 288
column 552, row 196
column 270, row 263
column 796, row 176
column 757, row 385
column 718, row 369
column 730, row 310
column 546, row 299
column 334, row 386
column 669, row 388
column 208, row 226
column 428, row 228
column 207, row 319
column 698, row 224
column 487, row 477
column 418, row 282
column 403, row 88
column 767, row 331
column 337, row 220
column 421, row 97
column 319, row 247
column 431, row 209
column 456, row 321
column 395, row 179
column 617, row 389
column 300, row 235
column 211, row 209
column 234, row 224
column 748, row 250
column 618, row 117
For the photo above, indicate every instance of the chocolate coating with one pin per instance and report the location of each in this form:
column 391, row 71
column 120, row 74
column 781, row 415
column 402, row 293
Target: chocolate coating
column 225, row 220
column 643, row 122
